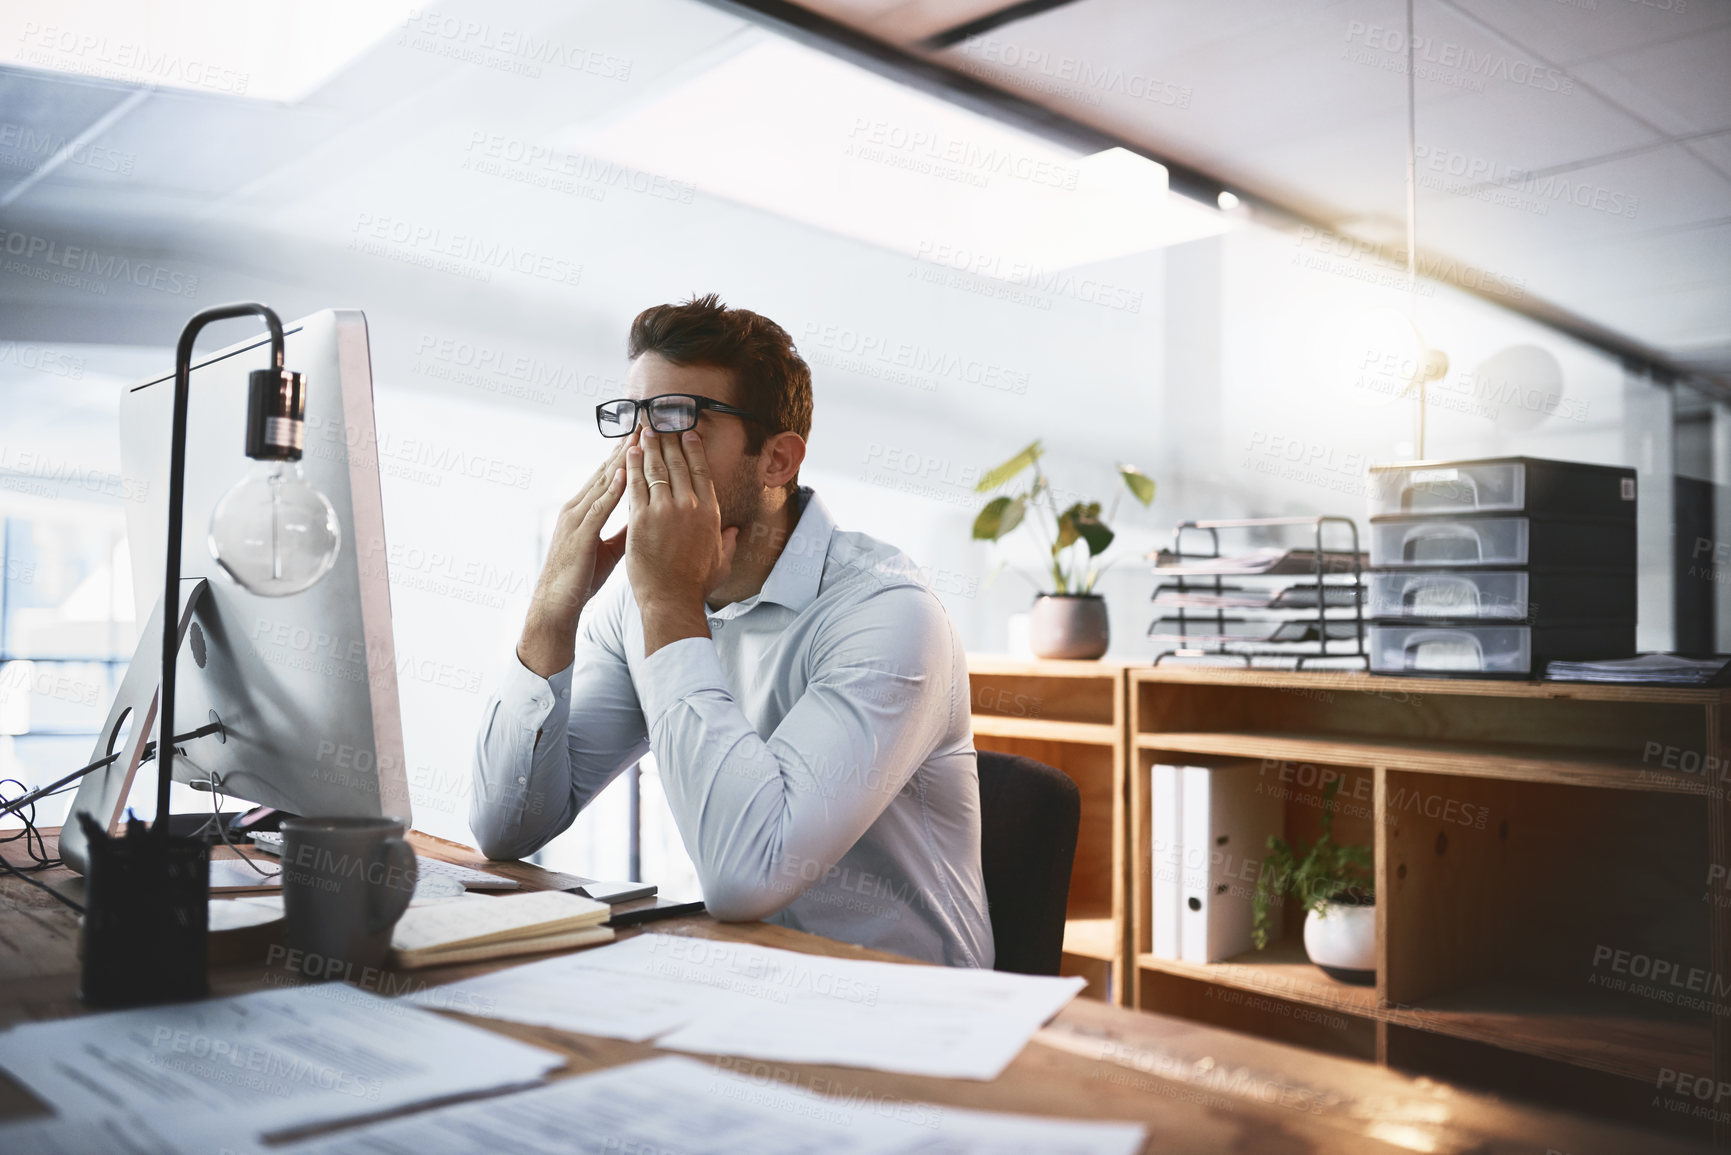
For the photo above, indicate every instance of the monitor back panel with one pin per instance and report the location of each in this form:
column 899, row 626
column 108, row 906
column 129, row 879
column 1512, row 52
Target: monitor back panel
column 305, row 685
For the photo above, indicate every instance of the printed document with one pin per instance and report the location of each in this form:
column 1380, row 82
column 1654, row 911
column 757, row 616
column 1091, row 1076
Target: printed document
column 680, row 1105
column 278, row 1059
column 713, row 997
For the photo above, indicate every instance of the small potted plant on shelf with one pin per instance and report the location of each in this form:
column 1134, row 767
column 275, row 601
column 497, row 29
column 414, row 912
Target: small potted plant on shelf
column 1070, row 621
column 1334, row 884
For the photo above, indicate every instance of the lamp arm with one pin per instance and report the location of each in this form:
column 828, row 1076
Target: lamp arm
column 176, row 493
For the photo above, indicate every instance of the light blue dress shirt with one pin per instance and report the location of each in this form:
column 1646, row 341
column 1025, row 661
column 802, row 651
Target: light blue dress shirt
column 816, row 751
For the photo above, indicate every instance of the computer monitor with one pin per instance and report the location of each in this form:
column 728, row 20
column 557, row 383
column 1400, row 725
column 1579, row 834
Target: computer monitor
column 305, row 686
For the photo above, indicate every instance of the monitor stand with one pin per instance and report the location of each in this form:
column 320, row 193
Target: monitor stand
column 102, row 794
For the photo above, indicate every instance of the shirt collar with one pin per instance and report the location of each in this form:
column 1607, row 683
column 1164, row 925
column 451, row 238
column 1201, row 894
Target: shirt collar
column 793, row 580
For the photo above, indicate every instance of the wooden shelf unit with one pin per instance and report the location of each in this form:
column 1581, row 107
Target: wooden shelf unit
column 1537, row 847
column 1074, row 716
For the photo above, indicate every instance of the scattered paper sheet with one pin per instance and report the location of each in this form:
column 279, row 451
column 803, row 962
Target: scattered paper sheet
column 126, row 1135
column 1648, row 670
column 269, row 1061
column 732, row 998
column 680, row 1105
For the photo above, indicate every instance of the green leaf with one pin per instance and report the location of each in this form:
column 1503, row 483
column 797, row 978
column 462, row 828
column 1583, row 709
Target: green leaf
column 1141, row 485
column 1092, row 529
column 1001, row 515
column 1010, row 468
column 1069, row 529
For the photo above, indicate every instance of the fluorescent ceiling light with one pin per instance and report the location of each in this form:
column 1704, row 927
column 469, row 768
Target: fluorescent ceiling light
column 268, row 51
column 803, row 135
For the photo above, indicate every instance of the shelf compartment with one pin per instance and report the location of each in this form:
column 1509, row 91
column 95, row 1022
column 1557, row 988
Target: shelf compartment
column 1095, row 938
column 1325, row 1027
column 1043, row 729
column 1502, row 760
column 1353, row 682
column 1471, row 1064
column 1500, row 920
column 1283, row 971
column 1058, row 693
column 1408, row 724
column 1617, row 1037
column 1512, row 1016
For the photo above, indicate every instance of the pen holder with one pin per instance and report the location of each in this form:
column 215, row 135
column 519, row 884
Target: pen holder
column 146, row 915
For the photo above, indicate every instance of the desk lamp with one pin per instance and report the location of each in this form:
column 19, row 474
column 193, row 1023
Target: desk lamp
column 145, row 912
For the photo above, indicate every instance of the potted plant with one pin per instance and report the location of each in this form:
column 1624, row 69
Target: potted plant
column 1070, row 621
column 1333, row 882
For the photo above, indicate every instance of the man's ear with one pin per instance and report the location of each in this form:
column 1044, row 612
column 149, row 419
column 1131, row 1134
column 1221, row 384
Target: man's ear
column 781, row 459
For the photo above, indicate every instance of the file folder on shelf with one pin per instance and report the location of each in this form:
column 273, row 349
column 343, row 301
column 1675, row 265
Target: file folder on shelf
column 1167, row 859
column 1220, row 818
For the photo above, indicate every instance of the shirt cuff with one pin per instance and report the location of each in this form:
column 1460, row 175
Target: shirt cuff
column 527, row 697
column 675, row 672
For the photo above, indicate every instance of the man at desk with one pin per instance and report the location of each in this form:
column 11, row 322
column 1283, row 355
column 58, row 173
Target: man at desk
column 805, row 695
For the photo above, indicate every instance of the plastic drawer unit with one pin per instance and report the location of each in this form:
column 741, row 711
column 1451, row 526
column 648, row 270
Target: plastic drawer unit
column 1504, row 485
column 1455, row 542
column 1473, row 649
column 1497, row 596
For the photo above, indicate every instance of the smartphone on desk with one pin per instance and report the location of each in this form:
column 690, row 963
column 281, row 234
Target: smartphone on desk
column 635, row 903
column 653, row 912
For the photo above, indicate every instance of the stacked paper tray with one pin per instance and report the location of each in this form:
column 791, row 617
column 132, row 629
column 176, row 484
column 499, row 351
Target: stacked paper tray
column 1291, row 604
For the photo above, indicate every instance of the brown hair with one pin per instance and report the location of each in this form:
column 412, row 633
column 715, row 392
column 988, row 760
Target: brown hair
column 773, row 380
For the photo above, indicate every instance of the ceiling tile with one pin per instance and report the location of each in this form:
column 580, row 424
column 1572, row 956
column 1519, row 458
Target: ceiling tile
column 1682, row 85
column 1504, row 129
column 1572, row 31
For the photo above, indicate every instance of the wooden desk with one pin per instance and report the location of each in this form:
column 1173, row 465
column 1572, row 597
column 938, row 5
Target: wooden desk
column 1197, row 1088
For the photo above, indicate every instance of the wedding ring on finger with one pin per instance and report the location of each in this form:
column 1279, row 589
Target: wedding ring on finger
column 658, row 481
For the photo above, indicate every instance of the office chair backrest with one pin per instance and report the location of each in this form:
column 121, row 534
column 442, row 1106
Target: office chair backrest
column 1029, row 815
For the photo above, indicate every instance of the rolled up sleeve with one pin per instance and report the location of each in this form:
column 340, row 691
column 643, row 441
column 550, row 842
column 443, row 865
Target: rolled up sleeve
column 538, row 761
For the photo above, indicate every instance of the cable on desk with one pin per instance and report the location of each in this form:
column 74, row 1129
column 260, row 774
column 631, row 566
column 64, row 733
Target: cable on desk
column 42, row 886
column 214, row 780
column 34, row 846
column 55, row 787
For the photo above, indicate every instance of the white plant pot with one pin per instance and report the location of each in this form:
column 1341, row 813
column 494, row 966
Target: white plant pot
column 1341, row 939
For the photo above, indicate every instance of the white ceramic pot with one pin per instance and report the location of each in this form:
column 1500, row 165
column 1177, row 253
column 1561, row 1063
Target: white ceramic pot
column 1069, row 626
column 1341, row 939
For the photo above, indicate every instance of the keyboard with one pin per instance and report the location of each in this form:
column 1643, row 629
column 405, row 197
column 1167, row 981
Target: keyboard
column 271, row 842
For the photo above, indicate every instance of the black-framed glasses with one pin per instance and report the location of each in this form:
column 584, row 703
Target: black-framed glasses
column 668, row 413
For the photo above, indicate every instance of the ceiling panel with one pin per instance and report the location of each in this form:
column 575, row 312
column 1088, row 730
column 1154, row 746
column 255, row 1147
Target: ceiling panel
column 1550, row 126
column 1572, row 31
column 41, row 114
column 1714, row 148
column 1533, row 134
column 1682, row 85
